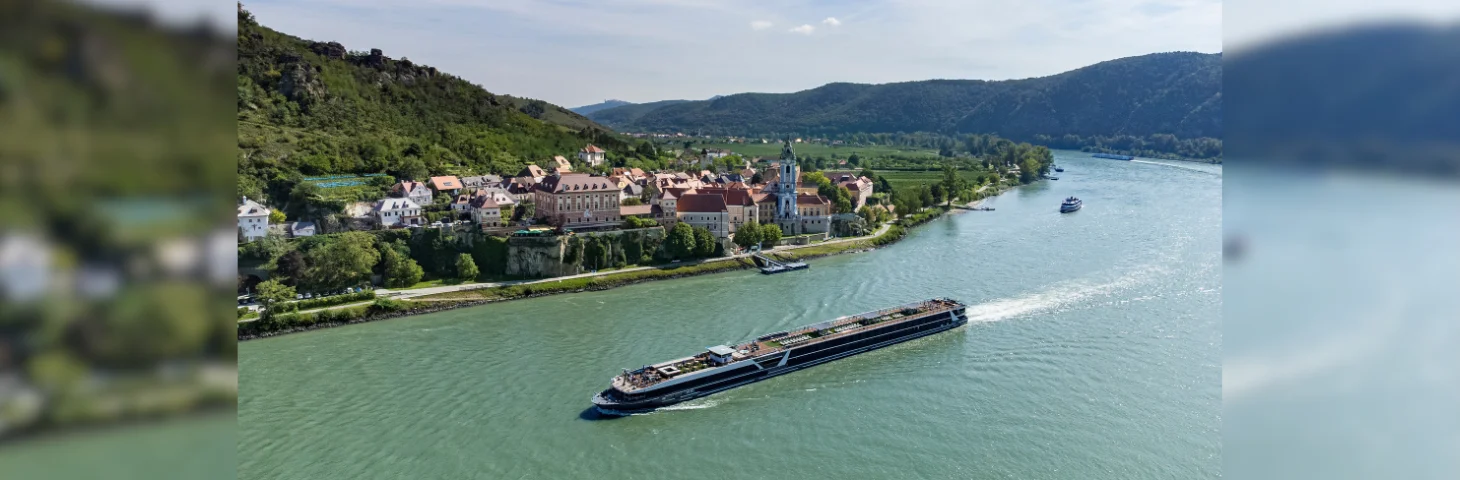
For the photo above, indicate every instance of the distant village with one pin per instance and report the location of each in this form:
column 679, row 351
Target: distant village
column 553, row 195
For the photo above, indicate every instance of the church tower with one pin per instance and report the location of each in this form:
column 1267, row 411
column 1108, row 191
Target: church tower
column 787, row 216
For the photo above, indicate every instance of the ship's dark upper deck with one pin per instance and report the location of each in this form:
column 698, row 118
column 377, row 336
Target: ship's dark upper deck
column 649, row 376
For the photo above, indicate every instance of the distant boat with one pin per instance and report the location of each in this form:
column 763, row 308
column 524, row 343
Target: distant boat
column 1233, row 248
column 1059, row 170
column 1054, row 178
column 1071, row 204
column 1113, row 156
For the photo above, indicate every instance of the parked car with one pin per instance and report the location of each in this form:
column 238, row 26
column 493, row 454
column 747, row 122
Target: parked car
column 309, row 295
column 299, row 296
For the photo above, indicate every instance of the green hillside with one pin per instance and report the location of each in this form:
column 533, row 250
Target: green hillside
column 309, row 109
column 1174, row 94
column 604, row 105
column 629, row 114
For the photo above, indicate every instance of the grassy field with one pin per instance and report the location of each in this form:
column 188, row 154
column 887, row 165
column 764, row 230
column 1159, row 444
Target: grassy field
column 900, row 179
column 773, row 150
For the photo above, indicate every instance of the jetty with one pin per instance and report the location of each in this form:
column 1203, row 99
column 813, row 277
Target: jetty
column 769, row 266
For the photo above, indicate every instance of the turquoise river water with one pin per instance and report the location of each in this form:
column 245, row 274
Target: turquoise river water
column 1094, row 351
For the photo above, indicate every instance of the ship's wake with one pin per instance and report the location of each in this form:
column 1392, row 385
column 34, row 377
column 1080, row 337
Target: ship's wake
column 1059, row 296
column 1172, row 165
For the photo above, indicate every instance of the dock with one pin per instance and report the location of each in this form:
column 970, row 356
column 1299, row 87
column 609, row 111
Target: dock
column 769, row 266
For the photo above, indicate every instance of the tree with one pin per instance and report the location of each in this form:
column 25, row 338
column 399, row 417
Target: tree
column 290, row 268
column 276, row 216
column 951, row 181
column 748, row 235
column 1029, row 170
column 646, row 150
column 523, row 211
column 399, row 270
column 681, row 241
column 842, row 198
column 650, row 191
column 466, row 268
column 631, row 201
column 705, row 244
column 867, row 214
column 756, row 179
column 770, row 235
column 271, row 292
column 882, row 185
column 343, row 261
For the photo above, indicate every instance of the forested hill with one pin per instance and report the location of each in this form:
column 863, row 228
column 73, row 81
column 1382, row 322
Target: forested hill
column 1177, row 93
column 1369, row 96
column 604, row 105
column 309, row 108
column 629, row 114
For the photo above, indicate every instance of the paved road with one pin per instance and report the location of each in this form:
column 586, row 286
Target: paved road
column 421, row 292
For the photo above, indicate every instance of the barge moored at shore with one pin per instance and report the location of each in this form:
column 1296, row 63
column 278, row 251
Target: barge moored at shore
column 723, row 367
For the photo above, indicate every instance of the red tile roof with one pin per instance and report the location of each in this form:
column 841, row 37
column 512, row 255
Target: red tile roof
column 577, row 182
column 675, row 192
column 591, row 148
column 447, row 182
column 405, row 187
column 732, row 197
column 811, row 199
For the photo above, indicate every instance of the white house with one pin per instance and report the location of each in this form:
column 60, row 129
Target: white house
column 492, row 208
column 398, row 211
column 591, row 155
column 253, row 219
column 416, row 191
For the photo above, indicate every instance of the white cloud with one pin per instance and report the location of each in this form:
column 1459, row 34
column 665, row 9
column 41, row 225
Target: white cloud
column 804, row 29
column 832, row 21
column 760, row 25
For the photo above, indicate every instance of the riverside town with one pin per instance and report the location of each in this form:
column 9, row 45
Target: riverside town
column 439, row 240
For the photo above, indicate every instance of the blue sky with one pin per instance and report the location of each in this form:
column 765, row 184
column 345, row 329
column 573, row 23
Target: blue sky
column 577, row 52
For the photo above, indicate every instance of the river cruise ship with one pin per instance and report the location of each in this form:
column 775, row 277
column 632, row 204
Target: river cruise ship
column 723, row 367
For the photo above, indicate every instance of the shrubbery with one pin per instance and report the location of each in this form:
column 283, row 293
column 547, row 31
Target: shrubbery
column 314, row 303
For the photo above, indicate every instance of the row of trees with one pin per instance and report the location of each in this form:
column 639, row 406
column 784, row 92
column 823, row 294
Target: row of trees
column 753, row 233
column 335, row 261
column 685, row 242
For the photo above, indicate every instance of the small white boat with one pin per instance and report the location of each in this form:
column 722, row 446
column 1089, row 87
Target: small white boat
column 1071, row 204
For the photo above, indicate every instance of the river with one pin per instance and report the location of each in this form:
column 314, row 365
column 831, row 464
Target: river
column 1094, row 351
column 1341, row 335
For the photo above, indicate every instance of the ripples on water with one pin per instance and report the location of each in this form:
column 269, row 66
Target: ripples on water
column 1341, row 329
column 1094, row 352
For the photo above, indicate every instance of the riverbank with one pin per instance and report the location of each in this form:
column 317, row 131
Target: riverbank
column 383, row 309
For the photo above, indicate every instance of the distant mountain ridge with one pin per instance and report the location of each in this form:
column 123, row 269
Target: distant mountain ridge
column 606, row 104
column 1371, row 96
column 628, row 114
column 1176, row 93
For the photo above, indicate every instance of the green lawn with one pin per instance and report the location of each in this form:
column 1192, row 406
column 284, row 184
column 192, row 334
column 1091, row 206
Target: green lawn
column 773, row 150
column 900, row 178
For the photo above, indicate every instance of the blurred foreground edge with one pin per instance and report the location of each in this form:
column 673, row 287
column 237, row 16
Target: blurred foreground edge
column 117, row 245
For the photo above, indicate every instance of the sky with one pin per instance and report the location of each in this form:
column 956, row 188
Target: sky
column 580, row 52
